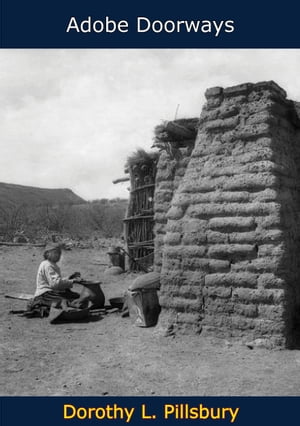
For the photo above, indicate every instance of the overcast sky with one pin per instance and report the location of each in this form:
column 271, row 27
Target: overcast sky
column 70, row 118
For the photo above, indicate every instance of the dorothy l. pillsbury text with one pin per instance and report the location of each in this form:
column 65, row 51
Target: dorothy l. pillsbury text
column 170, row 411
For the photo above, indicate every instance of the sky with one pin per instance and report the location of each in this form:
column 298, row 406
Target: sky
column 70, row 118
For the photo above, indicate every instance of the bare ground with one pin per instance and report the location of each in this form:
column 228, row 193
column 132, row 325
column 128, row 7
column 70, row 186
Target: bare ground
column 111, row 356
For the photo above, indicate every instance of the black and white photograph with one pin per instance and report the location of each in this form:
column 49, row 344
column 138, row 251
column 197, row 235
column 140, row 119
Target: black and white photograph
column 150, row 222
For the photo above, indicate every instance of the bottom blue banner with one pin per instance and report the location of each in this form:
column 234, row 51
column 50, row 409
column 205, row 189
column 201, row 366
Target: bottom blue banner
column 50, row 411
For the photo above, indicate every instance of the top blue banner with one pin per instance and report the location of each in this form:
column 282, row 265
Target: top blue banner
column 148, row 24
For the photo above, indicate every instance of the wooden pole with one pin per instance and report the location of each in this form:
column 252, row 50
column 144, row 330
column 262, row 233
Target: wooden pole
column 4, row 243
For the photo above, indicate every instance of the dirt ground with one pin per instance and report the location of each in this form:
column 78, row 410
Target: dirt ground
column 113, row 357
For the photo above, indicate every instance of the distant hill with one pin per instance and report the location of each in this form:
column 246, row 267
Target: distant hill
column 13, row 195
column 40, row 213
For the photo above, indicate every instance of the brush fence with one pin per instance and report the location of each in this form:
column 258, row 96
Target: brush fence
column 139, row 221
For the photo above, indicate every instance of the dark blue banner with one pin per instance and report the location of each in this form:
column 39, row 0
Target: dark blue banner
column 148, row 24
column 181, row 411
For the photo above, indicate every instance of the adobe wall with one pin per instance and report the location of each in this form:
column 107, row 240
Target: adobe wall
column 231, row 255
column 170, row 171
column 175, row 151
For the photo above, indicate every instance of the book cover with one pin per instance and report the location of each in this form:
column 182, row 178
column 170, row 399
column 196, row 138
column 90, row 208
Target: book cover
column 158, row 144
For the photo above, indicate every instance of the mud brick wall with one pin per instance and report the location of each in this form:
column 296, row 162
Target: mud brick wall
column 170, row 172
column 231, row 255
